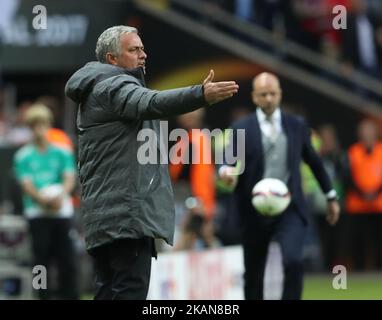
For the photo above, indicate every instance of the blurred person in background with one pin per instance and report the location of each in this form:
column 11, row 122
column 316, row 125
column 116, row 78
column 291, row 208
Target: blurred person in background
column 18, row 133
column 47, row 177
column 333, row 240
column 126, row 202
column 268, row 13
column 275, row 144
column 310, row 23
column 195, row 179
column 226, row 221
column 330, row 240
column 303, row 21
column 56, row 135
column 194, row 227
column 59, row 138
column 316, row 205
column 363, row 201
column 362, row 41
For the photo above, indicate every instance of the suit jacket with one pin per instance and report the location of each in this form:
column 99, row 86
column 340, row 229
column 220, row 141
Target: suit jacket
column 299, row 148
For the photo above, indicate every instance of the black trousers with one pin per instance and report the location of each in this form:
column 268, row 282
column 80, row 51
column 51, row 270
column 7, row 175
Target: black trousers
column 52, row 242
column 122, row 269
column 289, row 231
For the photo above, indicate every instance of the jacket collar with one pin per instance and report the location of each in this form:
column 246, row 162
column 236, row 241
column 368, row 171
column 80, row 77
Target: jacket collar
column 137, row 73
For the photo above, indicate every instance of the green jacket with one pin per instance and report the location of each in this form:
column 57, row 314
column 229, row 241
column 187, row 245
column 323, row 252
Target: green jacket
column 122, row 198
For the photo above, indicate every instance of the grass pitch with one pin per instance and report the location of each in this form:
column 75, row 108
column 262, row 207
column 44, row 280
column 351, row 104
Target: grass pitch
column 362, row 286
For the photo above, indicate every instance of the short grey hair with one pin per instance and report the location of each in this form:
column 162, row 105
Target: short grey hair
column 109, row 41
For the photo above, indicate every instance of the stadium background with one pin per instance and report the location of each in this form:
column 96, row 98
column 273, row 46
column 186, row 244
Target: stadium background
column 37, row 63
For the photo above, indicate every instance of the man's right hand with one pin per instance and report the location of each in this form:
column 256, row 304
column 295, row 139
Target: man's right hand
column 228, row 175
column 215, row 92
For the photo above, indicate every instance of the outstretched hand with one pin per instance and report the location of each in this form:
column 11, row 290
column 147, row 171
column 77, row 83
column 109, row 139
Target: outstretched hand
column 215, row 92
column 229, row 175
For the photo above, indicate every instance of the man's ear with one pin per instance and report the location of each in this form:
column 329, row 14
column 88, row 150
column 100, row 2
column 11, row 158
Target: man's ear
column 111, row 59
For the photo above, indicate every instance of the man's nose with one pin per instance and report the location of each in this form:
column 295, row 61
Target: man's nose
column 143, row 55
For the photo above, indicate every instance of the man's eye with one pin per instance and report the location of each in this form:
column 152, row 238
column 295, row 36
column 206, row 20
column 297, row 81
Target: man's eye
column 136, row 49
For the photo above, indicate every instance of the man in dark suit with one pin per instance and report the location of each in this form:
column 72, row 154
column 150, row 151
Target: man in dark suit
column 275, row 144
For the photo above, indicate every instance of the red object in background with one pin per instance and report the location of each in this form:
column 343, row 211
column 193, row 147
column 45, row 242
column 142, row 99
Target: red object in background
column 60, row 139
column 202, row 175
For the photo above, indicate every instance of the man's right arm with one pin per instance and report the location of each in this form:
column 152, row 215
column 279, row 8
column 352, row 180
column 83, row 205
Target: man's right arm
column 131, row 101
column 228, row 173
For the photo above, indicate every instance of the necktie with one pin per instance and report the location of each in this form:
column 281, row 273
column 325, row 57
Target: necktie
column 273, row 131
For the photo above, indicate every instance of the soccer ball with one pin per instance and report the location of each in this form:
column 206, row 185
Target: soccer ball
column 270, row 197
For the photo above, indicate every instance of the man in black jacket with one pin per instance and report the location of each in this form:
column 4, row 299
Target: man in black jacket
column 275, row 144
column 126, row 204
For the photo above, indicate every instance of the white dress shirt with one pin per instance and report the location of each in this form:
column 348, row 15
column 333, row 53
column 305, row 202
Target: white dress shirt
column 266, row 126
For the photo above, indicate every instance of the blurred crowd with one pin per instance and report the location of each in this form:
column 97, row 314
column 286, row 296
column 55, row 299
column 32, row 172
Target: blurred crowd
column 310, row 23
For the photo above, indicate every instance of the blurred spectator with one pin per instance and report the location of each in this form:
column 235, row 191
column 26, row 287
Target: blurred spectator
column 364, row 197
column 267, row 12
column 227, row 216
column 331, row 38
column 332, row 156
column 331, row 239
column 47, row 176
column 362, row 44
column 55, row 134
column 376, row 8
column 195, row 179
column 54, row 105
column 302, row 19
column 18, row 133
column 194, row 227
column 245, row 9
column 316, row 205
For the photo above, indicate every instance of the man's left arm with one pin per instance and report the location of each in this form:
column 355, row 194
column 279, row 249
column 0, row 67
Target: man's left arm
column 311, row 157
